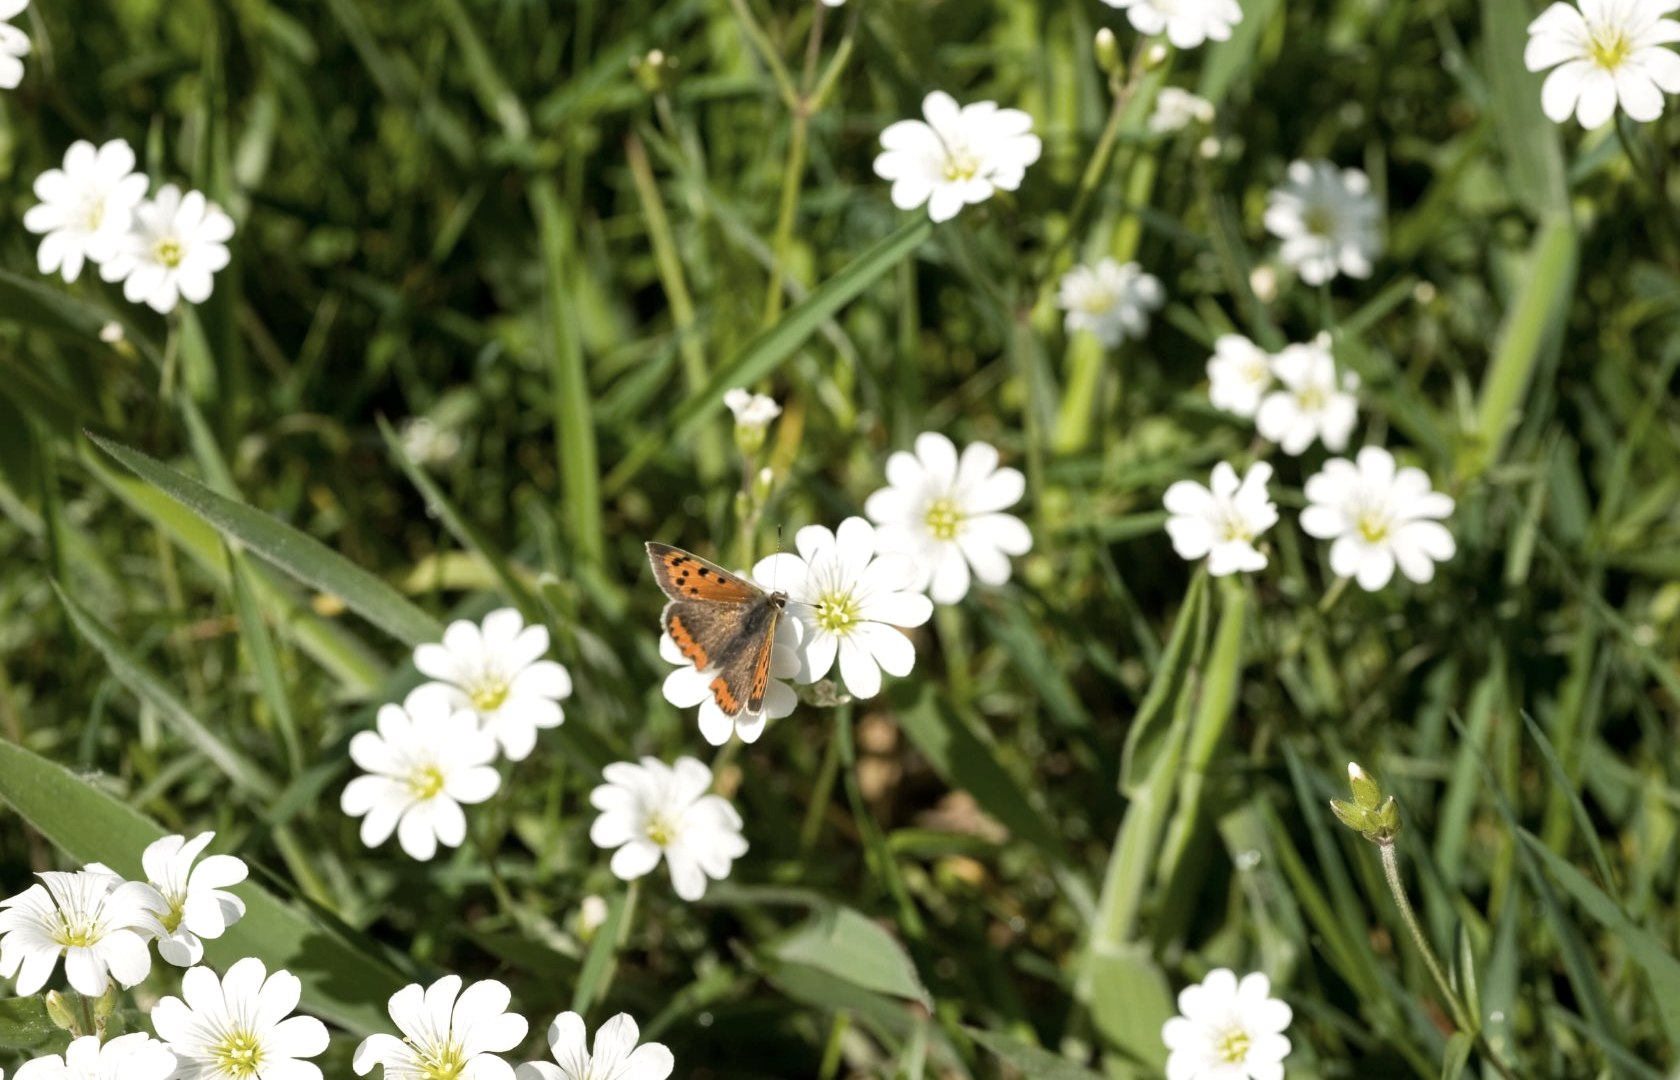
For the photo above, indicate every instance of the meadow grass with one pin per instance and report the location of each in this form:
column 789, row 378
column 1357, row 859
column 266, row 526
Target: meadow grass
column 1102, row 780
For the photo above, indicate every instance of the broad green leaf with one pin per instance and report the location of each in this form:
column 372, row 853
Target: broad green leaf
column 146, row 685
column 25, row 1025
column 766, row 352
column 300, row 555
column 1031, row 1060
column 1150, row 725
column 1129, row 1000
column 849, row 946
column 342, row 982
column 1530, row 142
column 1459, row 1046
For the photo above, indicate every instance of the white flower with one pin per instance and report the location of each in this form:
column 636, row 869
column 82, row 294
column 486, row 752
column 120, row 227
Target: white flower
column 616, row 1056
column 86, row 207
column 1177, row 108
column 1229, row 1030
column 688, row 686
column 191, row 900
column 654, row 810
column 1309, row 404
column 1188, row 23
column 1222, row 521
column 1605, row 53
column 14, row 44
column 1327, row 219
column 958, row 157
column 947, row 514
column 1112, row 300
column 851, row 601
column 751, row 410
column 1239, row 374
column 425, row 443
column 177, row 244
column 445, row 1037
column 1376, row 517
column 497, row 673
column 423, row 763
column 240, row 1026
column 98, row 921
column 136, row 1056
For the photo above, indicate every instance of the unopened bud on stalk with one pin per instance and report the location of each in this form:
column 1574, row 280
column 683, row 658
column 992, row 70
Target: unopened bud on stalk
column 656, row 71
column 1370, row 814
column 1109, row 59
column 58, row 1010
column 1155, row 56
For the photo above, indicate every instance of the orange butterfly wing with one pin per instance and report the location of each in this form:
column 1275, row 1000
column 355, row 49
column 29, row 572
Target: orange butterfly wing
column 719, row 621
column 686, row 576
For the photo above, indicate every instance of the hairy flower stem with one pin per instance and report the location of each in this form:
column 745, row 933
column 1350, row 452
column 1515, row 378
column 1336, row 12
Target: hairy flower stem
column 1455, row 1005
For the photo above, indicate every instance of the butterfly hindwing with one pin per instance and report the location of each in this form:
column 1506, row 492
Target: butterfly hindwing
column 704, row 632
column 686, row 576
column 742, row 667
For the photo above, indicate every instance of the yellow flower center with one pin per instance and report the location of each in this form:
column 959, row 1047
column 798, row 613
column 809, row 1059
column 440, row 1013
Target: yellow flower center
column 944, row 519
column 93, row 214
column 489, row 694
column 1608, row 47
column 169, row 252
column 1233, row 1047
column 1373, row 526
column 1236, row 529
column 838, row 612
column 172, row 918
column 1310, row 398
column 660, row 830
column 240, row 1055
column 961, row 165
column 77, row 931
column 1319, row 221
column 425, row 781
column 444, row 1062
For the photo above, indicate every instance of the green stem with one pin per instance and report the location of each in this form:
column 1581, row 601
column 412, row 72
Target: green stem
column 766, row 50
column 793, row 170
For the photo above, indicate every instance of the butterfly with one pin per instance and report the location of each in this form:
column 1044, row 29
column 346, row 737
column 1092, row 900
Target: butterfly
column 722, row 623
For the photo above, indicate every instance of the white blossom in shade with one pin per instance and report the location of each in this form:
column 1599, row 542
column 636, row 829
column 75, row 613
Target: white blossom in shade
column 946, row 513
column 1328, row 220
column 423, row 762
column 240, row 1026
column 1177, row 108
column 176, row 246
column 1605, row 53
column 1187, row 23
column 1227, row 1030
column 135, row 1056
column 852, row 596
column 652, row 811
column 616, row 1056
column 496, row 672
column 751, row 410
column 447, row 1033
column 425, row 442
column 86, row 206
column 688, row 686
column 1309, row 402
column 1221, row 522
column 958, row 156
column 97, row 921
column 191, row 901
column 1376, row 517
column 1239, row 374
column 1111, row 299
column 14, row 44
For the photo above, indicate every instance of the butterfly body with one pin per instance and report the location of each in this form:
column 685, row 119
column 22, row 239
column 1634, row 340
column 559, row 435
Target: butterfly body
column 721, row 623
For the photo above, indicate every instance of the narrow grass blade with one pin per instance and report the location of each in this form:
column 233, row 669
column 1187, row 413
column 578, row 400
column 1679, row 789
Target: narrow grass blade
column 265, row 660
column 1030, row 1060
column 306, row 558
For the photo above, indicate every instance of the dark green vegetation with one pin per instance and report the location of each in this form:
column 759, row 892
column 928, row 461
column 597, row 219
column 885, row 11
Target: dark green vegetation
column 479, row 213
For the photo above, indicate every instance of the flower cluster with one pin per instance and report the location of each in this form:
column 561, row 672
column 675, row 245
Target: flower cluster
column 94, row 209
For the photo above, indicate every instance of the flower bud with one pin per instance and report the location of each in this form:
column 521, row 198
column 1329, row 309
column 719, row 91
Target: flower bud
column 1109, row 60
column 1370, row 814
column 656, row 71
column 1155, row 56
column 753, row 413
column 58, row 1010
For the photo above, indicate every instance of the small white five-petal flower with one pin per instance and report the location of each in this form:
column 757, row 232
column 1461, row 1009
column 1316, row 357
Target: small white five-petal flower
column 957, row 156
column 750, row 409
column 98, row 922
column 654, row 811
column 1227, row 1030
column 86, row 207
column 1328, row 220
column 14, row 44
column 1376, row 517
column 1112, row 300
column 136, row 1056
column 1177, row 108
column 1605, row 53
column 1221, row 522
column 1239, row 374
column 1309, row 402
column 947, row 513
column 191, row 901
column 616, row 1056
column 173, row 251
column 1187, row 23
column 447, row 1033
column 240, row 1026
column 425, row 760
column 852, row 602
column 496, row 672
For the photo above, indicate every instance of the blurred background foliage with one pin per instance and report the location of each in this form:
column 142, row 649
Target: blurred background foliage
column 509, row 219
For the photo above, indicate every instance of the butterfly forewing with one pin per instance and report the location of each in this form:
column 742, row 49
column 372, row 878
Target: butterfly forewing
column 686, row 576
